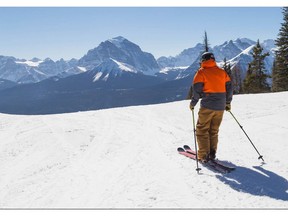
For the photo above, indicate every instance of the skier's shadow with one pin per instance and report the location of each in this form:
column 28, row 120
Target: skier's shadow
column 258, row 182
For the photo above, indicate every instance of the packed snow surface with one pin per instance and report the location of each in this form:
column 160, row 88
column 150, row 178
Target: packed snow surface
column 126, row 158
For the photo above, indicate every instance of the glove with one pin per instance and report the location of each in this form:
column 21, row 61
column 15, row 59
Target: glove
column 228, row 107
column 191, row 107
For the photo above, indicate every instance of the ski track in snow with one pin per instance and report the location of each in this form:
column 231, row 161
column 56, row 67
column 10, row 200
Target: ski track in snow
column 127, row 158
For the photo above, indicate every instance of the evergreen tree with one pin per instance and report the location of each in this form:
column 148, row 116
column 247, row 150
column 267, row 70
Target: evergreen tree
column 206, row 49
column 206, row 44
column 256, row 79
column 235, row 76
column 227, row 68
column 237, row 80
column 280, row 66
column 250, row 81
column 225, row 64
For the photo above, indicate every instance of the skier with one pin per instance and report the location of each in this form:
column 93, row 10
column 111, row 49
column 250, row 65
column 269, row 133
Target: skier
column 213, row 85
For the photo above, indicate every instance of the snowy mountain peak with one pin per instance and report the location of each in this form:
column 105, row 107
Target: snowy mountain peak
column 35, row 59
column 121, row 50
column 269, row 44
column 117, row 41
column 48, row 60
column 244, row 40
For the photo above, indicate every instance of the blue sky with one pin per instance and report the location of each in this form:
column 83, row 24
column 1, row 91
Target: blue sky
column 69, row 32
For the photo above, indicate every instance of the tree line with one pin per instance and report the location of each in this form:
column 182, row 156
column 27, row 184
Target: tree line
column 256, row 79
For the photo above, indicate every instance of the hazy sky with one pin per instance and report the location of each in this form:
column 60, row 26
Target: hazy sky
column 69, row 32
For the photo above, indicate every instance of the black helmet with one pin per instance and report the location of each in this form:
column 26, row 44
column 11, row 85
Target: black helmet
column 206, row 56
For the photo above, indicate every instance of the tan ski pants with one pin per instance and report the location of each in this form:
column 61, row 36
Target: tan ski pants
column 207, row 131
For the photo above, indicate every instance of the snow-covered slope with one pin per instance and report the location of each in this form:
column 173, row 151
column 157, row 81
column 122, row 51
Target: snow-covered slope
column 231, row 48
column 110, row 67
column 127, row 158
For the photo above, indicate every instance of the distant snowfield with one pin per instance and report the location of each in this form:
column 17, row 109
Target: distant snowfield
column 127, row 158
column 30, row 63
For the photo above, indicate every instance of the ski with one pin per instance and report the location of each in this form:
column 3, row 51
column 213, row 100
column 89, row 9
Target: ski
column 217, row 162
column 186, row 153
column 212, row 164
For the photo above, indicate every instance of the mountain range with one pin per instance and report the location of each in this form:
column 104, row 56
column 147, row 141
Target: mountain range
column 115, row 73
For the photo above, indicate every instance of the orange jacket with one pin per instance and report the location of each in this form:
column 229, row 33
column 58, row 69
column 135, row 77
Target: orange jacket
column 213, row 85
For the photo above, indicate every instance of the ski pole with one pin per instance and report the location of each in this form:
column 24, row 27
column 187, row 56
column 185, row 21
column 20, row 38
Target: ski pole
column 260, row 156
column 194, row 130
